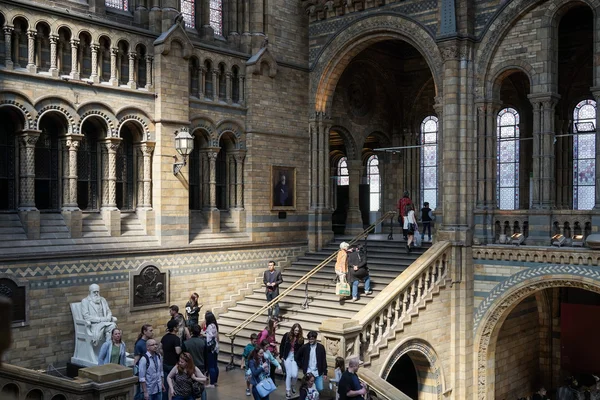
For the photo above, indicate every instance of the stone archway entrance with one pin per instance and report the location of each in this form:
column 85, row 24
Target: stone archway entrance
column 528, row 304
column 413, row 368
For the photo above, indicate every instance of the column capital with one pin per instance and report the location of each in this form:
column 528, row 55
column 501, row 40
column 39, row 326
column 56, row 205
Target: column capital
column 212, row 153
column 74, row 42
column 8, row 29
column 53, row 39
column 114, row 51
column 94, row 47
column 147, row 148
column 31, row 34
column 149, row 58
column 548, row 99
column 239, row 156
column 29, row 137
column 132, row 55
column 112, row 144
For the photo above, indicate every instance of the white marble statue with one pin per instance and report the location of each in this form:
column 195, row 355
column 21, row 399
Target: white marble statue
column 97, row 315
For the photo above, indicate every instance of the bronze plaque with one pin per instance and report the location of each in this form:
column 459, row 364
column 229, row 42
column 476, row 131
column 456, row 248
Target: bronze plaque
column 17, row 294
column 149, row 287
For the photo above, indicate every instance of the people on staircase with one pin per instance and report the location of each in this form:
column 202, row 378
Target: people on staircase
column 410, row 225
column 350, row 387
column 211, row 332
column 246, row 361
column 269, row 334
column 192, row 310
column 358, row 270
column 272, row 279
column 402, row 203
column 341, row 263
column 290, row 344
column 426, row 220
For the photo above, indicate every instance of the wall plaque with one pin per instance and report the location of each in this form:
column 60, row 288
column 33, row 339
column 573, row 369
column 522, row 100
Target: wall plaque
column 148, row 287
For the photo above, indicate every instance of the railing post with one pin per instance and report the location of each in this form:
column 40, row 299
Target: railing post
column 231, row 365
column 305, row 304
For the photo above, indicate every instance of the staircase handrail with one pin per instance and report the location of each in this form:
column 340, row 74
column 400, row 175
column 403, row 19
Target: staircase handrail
column 305, row 277
column 380, row 386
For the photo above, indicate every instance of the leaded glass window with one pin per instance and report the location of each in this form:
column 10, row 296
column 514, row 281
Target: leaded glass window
column 507, row 173
column 342, row 172
column 216, row 16
column 374, row 183
column 118, row 4
column 429, row 134
column 187, row 10
column 584, row 155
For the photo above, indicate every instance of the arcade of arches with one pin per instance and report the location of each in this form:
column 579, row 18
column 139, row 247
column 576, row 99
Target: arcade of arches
column 485, row 110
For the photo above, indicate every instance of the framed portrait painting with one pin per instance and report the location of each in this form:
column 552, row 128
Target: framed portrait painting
column 283, row 188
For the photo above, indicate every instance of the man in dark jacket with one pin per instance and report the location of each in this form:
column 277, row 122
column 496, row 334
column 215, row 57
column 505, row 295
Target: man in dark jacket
column 312, row 358
column 272, row 279
column 358, row 270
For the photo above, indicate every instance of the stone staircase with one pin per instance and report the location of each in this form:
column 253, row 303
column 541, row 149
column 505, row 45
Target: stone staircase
column 131, row 225
column 200, row 233
column 11, row 229
column 386, row 260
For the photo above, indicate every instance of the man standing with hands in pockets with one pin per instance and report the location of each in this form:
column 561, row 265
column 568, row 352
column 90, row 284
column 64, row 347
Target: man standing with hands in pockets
column 272, row 279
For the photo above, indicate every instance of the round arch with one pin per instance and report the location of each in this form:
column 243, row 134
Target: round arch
column 236, row 131
column 351, row 146
column 493, row 311
column 359, row 35
column 505, row 69
column 21, row 103
column 425, row 359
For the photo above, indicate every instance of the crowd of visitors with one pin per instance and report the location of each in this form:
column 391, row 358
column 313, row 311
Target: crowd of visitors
column 183, row 362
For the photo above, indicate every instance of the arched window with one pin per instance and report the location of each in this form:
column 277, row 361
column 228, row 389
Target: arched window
column 429, row 133
column 374, row 183
column 118, row 4
column 342, row 172
column 507, row 174
column 216, row 16
column 187, row 10
column 584, row 153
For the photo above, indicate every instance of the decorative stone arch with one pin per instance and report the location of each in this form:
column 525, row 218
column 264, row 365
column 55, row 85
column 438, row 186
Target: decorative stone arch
column 20, row 15
column 359, row 35
column 140, row 118
column 103, row 111
column 21, row 103
column 11, row 388
column 41, row 20
column 352, row 150
column 493, row 311
column 36, row 391
column 234, row 128
column 81, row 30
column 99, row 35
column 51, row 103
column 422, row 355
column 208, row 128
column 503, row 70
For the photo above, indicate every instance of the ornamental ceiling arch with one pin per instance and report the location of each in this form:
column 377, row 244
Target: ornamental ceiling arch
column 493, row 311
column 356, row 37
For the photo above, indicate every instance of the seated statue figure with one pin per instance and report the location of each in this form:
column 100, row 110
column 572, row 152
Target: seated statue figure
column 97, row 315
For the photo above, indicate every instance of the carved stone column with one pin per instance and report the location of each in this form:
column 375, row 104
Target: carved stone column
column 70, row 210
column 113, row 67
column 354, row 222
column 205, row 177
column 214, row 216
column 131, row 83
column 320, row 231
column 228, row 88
column 231, row 189
column 242, row 99
column 53, row 55
column 31, row 67
column 144, row 209
column 110, row 213
column 28, row 213
column 74, row 71
column 149, row 72
column 201, row 83
column 239, row 180
column 215, row 88
column 8, row 30
column 94, row 74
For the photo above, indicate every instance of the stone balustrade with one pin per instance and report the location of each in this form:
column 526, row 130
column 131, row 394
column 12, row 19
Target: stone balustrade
column 106, row 382
column 386, row 314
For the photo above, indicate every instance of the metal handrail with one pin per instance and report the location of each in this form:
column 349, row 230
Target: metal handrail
column 299, row 282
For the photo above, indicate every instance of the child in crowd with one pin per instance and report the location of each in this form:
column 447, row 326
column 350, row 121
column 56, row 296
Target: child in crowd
column 340, row 367
column 269, row 356
column 308, row 391
column 247, row 351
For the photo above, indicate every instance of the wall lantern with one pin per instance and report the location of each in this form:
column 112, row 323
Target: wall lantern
column 517, row 239
column 184, row 144
column 558, row 240
column 577, row 241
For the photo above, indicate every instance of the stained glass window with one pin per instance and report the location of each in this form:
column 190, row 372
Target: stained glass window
column 584, row 155
column 342, row 172
column 118, row 4
column 429, row 133
column 187, row 10
column 374, row 183
column 216, row 16
column 507, row 174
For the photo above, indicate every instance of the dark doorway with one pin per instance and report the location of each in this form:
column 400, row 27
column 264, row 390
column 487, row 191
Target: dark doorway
column 9, row 126
column 404, row 377
column 47, row 187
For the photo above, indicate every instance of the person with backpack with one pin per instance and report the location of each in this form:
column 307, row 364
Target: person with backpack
column 150, row 369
